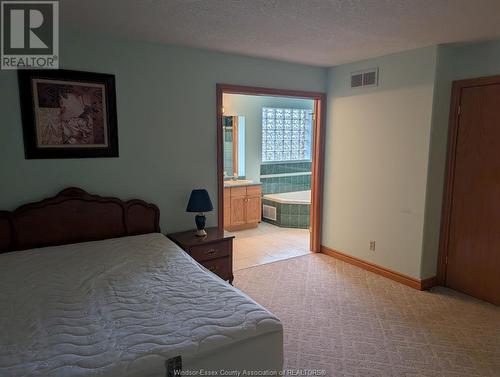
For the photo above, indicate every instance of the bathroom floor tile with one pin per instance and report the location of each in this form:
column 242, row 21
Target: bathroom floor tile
column 268, row 243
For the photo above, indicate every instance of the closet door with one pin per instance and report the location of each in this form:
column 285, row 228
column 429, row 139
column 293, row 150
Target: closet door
column 472, row 259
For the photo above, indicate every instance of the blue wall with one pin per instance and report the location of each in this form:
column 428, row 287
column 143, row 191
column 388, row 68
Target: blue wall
column 166, row 123
column 377, row 147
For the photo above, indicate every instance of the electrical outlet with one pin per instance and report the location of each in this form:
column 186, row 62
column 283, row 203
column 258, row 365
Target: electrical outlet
column 372, row 245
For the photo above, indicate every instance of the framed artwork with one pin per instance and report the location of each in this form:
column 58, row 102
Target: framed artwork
column 68, row 114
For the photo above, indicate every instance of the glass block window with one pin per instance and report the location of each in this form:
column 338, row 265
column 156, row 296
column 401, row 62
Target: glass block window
column 286, row 134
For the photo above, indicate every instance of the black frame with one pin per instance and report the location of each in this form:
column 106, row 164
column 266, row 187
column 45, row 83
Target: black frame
column 31, row 150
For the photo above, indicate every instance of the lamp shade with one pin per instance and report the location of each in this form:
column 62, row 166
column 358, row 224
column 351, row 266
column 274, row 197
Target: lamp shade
column 199, row 201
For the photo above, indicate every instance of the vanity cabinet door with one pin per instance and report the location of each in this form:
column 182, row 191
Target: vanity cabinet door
column 238, row 210
column 253, row 209
column 243, row 207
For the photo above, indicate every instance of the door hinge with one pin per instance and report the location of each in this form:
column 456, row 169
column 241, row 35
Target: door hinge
column 446, row 260
column 459, row 109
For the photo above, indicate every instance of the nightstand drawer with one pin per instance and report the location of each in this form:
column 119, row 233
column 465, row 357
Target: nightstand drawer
column 214, row 251
column 210, row 251
column 220, row 267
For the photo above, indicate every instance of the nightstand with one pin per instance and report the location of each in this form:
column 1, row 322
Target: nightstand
column 214, row 251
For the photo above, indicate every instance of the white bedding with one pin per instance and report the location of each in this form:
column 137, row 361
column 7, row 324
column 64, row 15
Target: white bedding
column 122, row 307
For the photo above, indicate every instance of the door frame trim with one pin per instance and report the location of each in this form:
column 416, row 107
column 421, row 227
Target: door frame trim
column 318, row 163
column 456, row 94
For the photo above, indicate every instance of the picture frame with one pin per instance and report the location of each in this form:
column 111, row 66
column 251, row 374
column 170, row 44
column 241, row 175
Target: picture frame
column 68, row 114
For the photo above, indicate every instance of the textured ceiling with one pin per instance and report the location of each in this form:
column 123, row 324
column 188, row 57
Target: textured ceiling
column 318, row 32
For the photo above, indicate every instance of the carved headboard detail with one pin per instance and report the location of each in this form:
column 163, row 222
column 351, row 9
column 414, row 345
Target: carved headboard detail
column 74, row 216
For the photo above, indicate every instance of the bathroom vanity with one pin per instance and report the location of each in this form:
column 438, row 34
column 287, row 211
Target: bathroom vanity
column 242, row 205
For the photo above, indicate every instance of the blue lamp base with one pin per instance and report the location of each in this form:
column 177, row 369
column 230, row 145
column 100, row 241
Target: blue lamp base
column 200, row 221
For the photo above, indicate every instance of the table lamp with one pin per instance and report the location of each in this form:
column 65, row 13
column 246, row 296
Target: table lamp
column 199, row 201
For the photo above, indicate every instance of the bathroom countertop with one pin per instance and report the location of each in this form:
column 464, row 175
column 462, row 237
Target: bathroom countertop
column 241, row 184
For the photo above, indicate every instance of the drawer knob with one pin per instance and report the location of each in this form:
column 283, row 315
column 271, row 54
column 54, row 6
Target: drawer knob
column 211, row 251
column 213, row 268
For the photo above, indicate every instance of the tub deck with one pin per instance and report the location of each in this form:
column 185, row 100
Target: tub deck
column 295, row 197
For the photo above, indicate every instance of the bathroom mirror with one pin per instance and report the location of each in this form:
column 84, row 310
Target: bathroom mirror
column 234, row 145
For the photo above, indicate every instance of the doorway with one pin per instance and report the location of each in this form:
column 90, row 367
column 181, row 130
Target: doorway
column 229, row 121
column 469, row 257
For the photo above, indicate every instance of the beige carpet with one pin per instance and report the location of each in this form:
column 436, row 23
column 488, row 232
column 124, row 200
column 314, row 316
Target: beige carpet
column 351, row 322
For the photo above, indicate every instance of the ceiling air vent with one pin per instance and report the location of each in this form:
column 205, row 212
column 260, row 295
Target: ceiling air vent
column 365, row 78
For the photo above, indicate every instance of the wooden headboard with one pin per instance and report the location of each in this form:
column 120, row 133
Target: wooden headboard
column 74, row 216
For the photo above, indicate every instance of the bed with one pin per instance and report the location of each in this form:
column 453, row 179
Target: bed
column 90, row 287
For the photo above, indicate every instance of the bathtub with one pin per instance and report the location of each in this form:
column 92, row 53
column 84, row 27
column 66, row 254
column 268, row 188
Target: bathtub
column 288, row 209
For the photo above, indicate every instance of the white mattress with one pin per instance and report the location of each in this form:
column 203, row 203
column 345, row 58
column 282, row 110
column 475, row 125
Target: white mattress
column 122, row 307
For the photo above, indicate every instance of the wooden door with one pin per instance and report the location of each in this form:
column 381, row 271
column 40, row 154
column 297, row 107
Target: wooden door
column 472, row 260
column 253, row 209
